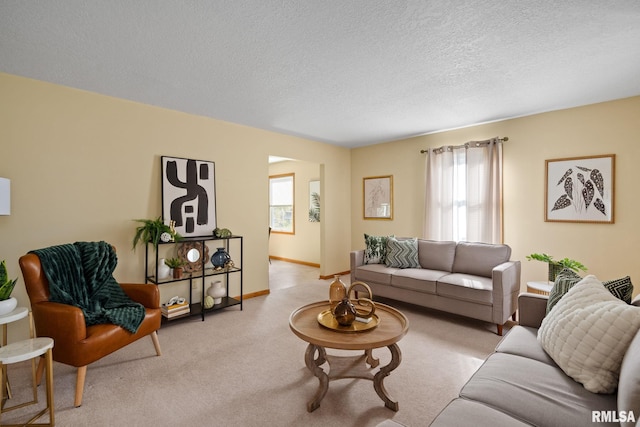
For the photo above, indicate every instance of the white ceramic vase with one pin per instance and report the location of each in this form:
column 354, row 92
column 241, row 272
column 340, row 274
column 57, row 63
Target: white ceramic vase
column 163, row 269
column 217, row 291
column 8, row 305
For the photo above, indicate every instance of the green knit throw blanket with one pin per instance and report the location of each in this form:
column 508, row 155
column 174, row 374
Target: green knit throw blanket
column 81, row 274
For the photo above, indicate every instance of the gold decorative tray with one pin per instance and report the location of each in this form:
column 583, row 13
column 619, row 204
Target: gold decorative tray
column 327, row 320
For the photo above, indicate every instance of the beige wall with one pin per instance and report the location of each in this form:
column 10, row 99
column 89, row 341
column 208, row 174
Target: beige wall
column 608, row 250
column 304, row 245
column 83, row 166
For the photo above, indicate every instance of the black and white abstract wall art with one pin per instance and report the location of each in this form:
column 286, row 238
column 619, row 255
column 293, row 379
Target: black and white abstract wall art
column 189, row 195
column 580, row 189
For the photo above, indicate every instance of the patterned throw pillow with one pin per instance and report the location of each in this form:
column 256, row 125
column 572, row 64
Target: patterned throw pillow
column 402, row 253
column 619, row 288
column 376, row 249
column 564, row 281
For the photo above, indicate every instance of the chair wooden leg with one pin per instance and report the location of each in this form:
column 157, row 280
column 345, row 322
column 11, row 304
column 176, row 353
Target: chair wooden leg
column 499, row 329
column 156, row 342
column 82, row 373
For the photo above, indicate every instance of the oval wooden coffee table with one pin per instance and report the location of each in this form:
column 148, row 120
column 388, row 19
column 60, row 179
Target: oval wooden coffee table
column 392, row 326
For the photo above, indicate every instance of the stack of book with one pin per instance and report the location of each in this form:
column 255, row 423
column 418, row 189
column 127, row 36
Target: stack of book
column 175, row 310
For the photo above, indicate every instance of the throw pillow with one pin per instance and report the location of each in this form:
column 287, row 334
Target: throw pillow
column 588, row 332
column 402, row 253
column 567, row 278
column 564, row 281
column 620, row 288
column 376, row 249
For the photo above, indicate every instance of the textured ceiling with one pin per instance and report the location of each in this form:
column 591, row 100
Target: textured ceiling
column 346, row 72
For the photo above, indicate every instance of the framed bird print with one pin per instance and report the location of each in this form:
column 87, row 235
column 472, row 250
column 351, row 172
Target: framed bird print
column 580, row 189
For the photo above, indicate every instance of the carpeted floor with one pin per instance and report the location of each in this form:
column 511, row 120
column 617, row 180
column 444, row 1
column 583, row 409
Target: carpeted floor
column 246, row 368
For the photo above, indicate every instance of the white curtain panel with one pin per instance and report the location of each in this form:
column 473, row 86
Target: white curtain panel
column 464, row 192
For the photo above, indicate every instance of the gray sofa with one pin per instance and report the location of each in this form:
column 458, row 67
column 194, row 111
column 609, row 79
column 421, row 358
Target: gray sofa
column 520, row 385
column 475, row 280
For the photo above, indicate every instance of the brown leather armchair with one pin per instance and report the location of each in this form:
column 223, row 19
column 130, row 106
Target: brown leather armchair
column 75, row 343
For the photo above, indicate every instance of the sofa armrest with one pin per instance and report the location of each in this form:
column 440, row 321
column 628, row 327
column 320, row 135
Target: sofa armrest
column 533, row 308
column 506, row 286
column 356, row 260
column 145, row 294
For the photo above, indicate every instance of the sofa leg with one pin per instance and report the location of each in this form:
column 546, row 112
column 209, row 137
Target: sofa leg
column 499, row 329
column 513, row 316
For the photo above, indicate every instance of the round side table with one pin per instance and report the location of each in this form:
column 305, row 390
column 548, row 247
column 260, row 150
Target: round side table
column 17, row 314
column 539, row 287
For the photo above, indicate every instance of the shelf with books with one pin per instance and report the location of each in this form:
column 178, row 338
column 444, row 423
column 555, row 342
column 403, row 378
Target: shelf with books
column 198, row 272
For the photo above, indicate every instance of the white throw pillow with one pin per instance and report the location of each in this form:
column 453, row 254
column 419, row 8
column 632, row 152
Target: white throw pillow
column 587, row 334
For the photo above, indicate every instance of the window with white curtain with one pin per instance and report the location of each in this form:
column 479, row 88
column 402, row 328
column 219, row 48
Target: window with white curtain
column 281, row 203
column 463, row 185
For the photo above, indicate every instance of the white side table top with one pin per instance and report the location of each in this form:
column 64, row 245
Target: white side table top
column 17, row 314
column 25, row 350
column 544, row 286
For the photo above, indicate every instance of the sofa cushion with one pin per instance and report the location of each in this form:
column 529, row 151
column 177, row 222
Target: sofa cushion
column 629, row 384
column 463, row 412
column 402, row 253
column 434, row 255
column 567, row 278
column 479, row 258
column 378, row 273
column 587, row 334
column 466, row 287
column 523, row 341
column 375, row 250
column 417, row 279
column 539, row 393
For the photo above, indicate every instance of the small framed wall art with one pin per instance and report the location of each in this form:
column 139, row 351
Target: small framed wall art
column 580, row 189
column 377, row 200
column 189, row 195
column 314, row 201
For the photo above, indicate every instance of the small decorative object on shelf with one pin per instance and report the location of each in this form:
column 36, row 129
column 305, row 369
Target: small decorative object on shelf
column 208, row 302
column 154, row 231
column 177, row 265
column 7, row 302
column 222, row 232
column 337, row 291
column 556, row 267
column 217, row 291
column 220, row 259
column 176, row 306
column 163, row 269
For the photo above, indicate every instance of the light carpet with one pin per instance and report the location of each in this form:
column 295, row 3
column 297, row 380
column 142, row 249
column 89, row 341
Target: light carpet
column 246, row 368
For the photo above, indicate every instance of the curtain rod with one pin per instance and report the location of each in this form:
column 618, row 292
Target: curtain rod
column 503, row 139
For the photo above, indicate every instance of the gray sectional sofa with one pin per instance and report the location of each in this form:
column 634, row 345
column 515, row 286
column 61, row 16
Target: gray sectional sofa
column 475, row 280
column 521, row 385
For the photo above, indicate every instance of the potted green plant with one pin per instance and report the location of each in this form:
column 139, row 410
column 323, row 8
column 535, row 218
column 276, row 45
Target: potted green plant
column 7, row 302
column 556, row 266
column 177, row 265
column 154, row 231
